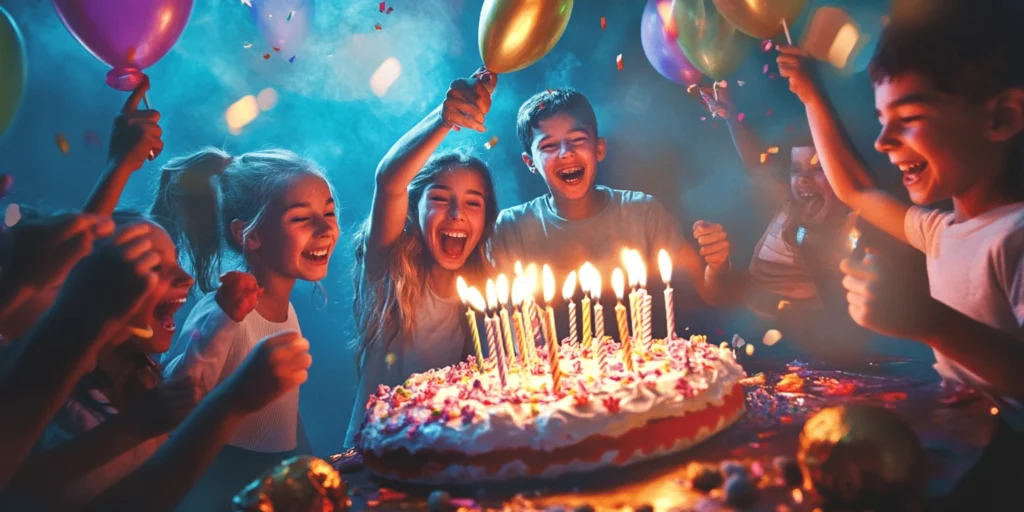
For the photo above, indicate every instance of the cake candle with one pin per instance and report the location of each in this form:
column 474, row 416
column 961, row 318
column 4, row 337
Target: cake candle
column 568, row 289
column 665, row 266
column 618, row 286
column 472, row 299
column 506, row 324
column 494, row 343
column 644, row 302
column 517, row 320
column 587, row 272
column 595, row 293
column 531, row 310
column 553, row 356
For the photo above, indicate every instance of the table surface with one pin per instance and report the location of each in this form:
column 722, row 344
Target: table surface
column 954, row 437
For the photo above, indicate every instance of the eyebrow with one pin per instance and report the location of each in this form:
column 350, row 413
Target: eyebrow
column 910, row 99
column 472, row 192
column 304, row 204
column 574, row 129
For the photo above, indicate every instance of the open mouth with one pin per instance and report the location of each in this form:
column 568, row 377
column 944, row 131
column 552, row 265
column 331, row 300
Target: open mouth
column 811, row 203
column 164, row 312
column 571, row 175
column 912, row 171
column 317, row 256
column 453, row 242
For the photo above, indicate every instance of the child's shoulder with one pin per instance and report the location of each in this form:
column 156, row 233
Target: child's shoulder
column 532, row 209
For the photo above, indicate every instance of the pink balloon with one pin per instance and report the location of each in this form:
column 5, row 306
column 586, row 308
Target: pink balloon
column 127, row 35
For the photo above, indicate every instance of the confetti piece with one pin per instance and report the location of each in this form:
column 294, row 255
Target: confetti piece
column 390, row 358
column 377, row 26
column 814, row 159
column 382, row 5
column 12, row 215
column 618, row 61
column 91, row 139
column 767, row 45
column 6, row 183
column 276, row 49
column 491, row 143
column 784, row 305
column 994, row 411
column 690, row 88
column 62, row 143
column 764, row 157
column 740, row 83
column 247, row 3
column 773, row 150
column 737, row 341
column 390, row 9
column 604, row 23
column 291, row 60
column 266, row 56
column 703, row 118
column 247, row 46
column 740, row 117
column 771, row 337
column 764, row 69
column 289, row 18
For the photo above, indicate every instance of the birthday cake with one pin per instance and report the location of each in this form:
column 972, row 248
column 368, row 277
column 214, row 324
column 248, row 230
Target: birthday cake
column 458, row 425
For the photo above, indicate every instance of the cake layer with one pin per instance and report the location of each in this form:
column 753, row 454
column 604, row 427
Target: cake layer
column 655, row 439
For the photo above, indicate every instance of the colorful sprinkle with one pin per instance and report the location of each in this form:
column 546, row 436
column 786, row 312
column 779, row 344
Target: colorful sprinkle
column 382, row 5
column 377, row 26
column 618, row 62
column 266, row 56
column 62, row 143
column 740, row 117
column 767, row 45
column 604, row 23
column 491, row 143
column 291, row 60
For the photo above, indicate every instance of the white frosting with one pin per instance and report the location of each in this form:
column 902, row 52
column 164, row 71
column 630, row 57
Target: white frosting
column 428, row 412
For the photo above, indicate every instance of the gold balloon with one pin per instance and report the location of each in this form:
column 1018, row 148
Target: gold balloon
column 711, row 43
column 859, row 455
column 760, row 18
column 517, row 33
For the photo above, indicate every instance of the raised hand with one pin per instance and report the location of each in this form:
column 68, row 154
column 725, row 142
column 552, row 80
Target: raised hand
column 796, row 65
column 136, row 136
column 238, row 295
column 469, row 100
column 714, row 245
column 885, row 303
column 46, row 249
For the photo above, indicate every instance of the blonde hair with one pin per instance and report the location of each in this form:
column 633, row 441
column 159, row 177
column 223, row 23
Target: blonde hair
column 202, row 193
column 384, row 302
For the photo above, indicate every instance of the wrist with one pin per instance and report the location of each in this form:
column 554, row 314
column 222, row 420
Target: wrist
column 713, row 271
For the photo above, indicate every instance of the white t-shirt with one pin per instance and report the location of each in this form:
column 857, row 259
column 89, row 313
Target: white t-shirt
column 437, row 340
column 975, row 267
column 211, row 345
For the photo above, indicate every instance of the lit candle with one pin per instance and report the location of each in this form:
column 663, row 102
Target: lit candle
column 553, row 356
column 586, row 273
column 517, row 319
column 595, row 294
column 644, row 302
column 618, row 286
column 665, row 266
column 494, row 344
column 506, row 324
column 531, row 309
column 568, row 289
column 472, row 299
column 629, row 260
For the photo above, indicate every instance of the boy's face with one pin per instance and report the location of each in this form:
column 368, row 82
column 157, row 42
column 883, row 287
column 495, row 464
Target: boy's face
column 943, row 144
column 565, row 153
column 809, row 186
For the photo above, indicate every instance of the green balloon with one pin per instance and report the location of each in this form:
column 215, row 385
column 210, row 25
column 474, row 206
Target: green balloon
column 13, row 69
column 709, row 41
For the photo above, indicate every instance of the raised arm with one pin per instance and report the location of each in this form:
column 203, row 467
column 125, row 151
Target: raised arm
column 749, row 145
column 465, row 105
column 846, row 170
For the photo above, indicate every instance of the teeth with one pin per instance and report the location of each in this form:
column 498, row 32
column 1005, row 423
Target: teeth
column 455, row 234
column 319, row 254
column 175, row 301
column 912, row 167
column 571, row 170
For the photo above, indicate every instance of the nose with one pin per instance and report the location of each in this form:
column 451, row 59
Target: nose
column 803, row 180
column 886, row 140
column 182, row 279
column 454, row 210
column 566, row 149
column 326, row 227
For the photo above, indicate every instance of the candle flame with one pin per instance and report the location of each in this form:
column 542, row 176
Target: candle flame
column 665, row 266
column 569, row 288
column 518, row 268
column 518, row 292
column 549, row 284
column 587, row 272
column 641, row 268
column 618, row 283
column 502, row 285
column 460, row 285
column 492, row 295
column 595, row 285
column 475, row 299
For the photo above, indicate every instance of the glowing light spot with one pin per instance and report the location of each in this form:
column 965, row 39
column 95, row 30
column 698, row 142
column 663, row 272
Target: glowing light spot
column 385, row 76
column 266, row 99
column 241, row 113
column 843, row 45
column 994, row 411
column 771, row 337
column 750, row 350
column 814, row 159
column 62, row 143
column 12, row 215
column 390, row 358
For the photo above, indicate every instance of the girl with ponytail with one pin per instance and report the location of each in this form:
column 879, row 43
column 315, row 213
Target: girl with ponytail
column 272, row 214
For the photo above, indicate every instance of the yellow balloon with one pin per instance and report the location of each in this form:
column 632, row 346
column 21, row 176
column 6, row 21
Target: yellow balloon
column 760, row 18
column 517, row 33
column 711, row 43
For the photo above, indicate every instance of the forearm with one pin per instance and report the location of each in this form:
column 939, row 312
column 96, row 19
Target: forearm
column 845, row 168
column 105, row 196
column 13, row 294
column 173, row 470
column 407, row 156
column 722, row 288
column 58, row 467
column 748, row 145
column 992, row 354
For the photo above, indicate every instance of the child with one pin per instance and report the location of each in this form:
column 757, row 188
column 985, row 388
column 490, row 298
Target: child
column 430, row 220
column 580, row 221
column 275, row 212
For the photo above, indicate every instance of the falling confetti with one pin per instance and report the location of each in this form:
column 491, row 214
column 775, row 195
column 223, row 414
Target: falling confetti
column 771, row 337
column 740, row 117
column 814, row 159
column 767, row 45
column 289, row 18
column 12, row 215
column 764, row 157
column 703, row 118
column 266, row 56
column 390, row 9
column 618, row 61
column 784, row 305
column 750, row 350
column 276, row 49
column 377, row 26
column 62, row 143
column 740, row 83
column 604, row 23
column 382, row 6
column 91, row 139
column 491, row 143
column 6, row 182
column 737, row 341
column 773, row 150
column 390, row 358
column 291, row 60
column 764, row 69
column 247, row 46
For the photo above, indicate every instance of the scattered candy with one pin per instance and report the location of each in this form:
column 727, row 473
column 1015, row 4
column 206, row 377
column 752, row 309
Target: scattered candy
column 604, row 23
column 491, row 143
column 12, row 215
column 618, row 62
column 773, row 335
column 739, row 491
column 750, row 350
column 62, row 143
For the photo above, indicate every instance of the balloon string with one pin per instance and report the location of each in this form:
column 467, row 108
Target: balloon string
column 145, row 101
column 785, row 27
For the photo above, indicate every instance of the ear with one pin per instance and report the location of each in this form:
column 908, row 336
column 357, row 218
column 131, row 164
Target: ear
column 1007, row 115
column 601, row 148
column 237, row 230
column 529, row 163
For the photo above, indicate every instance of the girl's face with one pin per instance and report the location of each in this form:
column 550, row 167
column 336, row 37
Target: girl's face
column 811, row 191
column 299, row 234
column 158, row 312
column 452, row 214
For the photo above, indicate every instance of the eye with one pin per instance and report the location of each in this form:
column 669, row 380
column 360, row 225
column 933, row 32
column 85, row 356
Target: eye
column 547, row 147
column 299, row 219
column 474, row 204
column 579, row 140
column 911, row 119
column 329, row 214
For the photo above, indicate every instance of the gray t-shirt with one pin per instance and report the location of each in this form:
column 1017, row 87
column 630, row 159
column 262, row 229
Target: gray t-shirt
column 533, row 232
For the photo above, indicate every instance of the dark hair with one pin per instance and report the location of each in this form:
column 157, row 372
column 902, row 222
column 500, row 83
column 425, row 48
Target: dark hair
column 384, row 304
column 545, row 104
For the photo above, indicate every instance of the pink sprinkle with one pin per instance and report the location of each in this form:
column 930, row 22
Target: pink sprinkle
column 740, row 117
column 764, row 70
column 767, row 45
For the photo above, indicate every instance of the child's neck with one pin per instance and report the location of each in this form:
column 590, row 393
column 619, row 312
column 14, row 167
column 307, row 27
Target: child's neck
column 977, row 200
column 277, row 292
column 442, row 281
column 578, row 209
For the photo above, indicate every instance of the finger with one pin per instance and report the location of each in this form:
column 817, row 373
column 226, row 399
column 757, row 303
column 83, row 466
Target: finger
column 281, row 338
column 703, row 227
column 137, row 248
column 857, row 314
column 132, row 103
column 141, row 117
column 855, row 285
column 712, row 237
column 132, row 232
column 76, row 248
column 473, row 112
column 483, row 96
column 145, row 263
column 460, row 119
column 715, row 248
column 786, row 49
column 858, row 269
column 157, row 148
